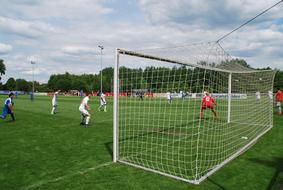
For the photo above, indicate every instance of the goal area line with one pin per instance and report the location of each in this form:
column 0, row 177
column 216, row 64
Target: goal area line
column 44, row 182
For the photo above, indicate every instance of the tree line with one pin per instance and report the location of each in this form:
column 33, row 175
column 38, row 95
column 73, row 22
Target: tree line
column 154, row 78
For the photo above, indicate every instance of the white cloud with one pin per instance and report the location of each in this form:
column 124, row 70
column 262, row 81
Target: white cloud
column 217, row 13
column 74, row 9
column 24, row 28
column 65, row 34
column 79, row 50
column 5, row 48
column 36, row 71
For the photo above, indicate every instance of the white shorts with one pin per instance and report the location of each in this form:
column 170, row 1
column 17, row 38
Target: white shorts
column 279, row 104
column 84, row 112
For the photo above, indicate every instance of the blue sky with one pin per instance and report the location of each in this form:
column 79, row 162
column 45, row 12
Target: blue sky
column 63, row 35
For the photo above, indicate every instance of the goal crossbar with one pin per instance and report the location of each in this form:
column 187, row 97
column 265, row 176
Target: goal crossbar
column 141, row 55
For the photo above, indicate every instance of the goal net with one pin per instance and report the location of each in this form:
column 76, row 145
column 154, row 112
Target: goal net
column 162, row 122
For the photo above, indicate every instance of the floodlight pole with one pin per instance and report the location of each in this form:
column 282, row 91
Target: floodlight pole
column 101, row 48
column 32, row 63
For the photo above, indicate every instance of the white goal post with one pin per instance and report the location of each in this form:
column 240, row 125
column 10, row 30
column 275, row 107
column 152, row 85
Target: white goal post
column 162, row 123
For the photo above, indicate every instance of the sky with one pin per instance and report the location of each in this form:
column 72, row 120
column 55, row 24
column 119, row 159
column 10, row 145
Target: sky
column 63, row 35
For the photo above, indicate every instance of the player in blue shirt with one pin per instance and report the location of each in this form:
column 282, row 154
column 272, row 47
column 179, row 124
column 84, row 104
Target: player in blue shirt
column 81, row 93
column 8, row 107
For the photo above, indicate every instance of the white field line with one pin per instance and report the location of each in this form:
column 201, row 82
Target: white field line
column 82, row 172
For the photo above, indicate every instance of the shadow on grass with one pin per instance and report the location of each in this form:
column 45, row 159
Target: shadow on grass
column 216, row 184
column 109, row 148
column 277, row 164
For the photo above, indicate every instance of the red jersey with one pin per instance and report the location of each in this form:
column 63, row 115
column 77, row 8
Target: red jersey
column 279, row 96
column 208, row 101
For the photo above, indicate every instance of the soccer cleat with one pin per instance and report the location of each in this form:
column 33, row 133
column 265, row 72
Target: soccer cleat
column 82, row 123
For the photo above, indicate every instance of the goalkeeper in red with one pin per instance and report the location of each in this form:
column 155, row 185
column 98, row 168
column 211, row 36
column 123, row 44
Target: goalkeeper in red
column 208, row 103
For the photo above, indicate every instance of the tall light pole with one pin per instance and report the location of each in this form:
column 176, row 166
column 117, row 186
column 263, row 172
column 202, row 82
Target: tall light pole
column 32, row 63
column 101, row 48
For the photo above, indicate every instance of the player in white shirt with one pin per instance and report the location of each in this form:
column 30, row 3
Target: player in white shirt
column 54, row 103
column 83, row 109
column 257, row 94
column 169, row 97
column 102, row 103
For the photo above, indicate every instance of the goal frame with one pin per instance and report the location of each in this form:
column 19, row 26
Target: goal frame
column 116, row 114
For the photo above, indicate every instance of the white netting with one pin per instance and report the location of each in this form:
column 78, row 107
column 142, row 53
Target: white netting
column 170, row 137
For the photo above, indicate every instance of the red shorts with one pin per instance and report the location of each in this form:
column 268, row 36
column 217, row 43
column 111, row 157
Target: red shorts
column 205, row 107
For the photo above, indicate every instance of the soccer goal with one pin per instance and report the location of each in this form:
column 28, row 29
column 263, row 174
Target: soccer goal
column 163, row 130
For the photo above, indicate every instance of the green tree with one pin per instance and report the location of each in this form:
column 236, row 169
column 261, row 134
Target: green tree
column 52, row 82
column 278, row 81
column 23, row 85
column 79, row 84
column 43, row 88
column 2, row 68
column 241, row 62
column 11, row 84
column 64, row 84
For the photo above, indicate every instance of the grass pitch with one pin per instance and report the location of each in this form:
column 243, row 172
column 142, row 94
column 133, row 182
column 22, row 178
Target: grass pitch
column 171, row 138
column 44, row 151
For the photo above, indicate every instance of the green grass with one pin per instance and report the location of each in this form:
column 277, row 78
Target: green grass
column 44, row 151
column 172, row 139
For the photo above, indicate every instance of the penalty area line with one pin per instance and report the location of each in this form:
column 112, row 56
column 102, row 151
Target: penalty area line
column 82, row 172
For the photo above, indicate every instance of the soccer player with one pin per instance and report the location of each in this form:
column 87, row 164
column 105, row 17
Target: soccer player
column 8, row 107
column 81, row 93
column 182, row 94
column 208, row 102
column 83, row 109
column 257, row 94
column 31, row 95
column 102, row 102
column 279, row 99
column 54, row 103
column 141, row 95
column 169, row 97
